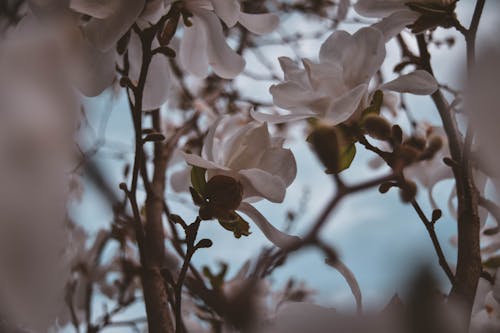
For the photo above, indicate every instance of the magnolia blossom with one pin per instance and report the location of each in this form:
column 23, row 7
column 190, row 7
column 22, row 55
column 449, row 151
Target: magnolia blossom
column 255, row 159
column 204, row 44
column 396, row 14
column 337, row 88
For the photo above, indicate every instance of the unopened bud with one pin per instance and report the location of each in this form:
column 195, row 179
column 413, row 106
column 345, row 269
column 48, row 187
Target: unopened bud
column 436, row 215
column 325, row 144
column 385, row 187
column 408, row 192
column 435, row 144
column 377, row 127
column 416, row 142
column 397, row 134
column 406, row 155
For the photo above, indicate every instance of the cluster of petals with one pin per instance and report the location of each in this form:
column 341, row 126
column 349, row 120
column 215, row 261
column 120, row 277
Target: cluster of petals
column 204, row 44
column 258, row 161
column 338, row 87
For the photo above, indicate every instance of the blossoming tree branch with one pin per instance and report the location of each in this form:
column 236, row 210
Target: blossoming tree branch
column 205, row 148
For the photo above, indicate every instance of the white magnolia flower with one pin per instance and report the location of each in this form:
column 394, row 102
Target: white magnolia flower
column 337, row 88
column 255, row 159
column 396, row 14
column 204, row 43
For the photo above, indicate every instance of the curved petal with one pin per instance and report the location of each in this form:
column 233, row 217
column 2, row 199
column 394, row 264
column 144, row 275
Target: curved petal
column 179, row 181
column 278, row 238
column 158, row 83
column 95, row 8
column 279, row 162
column 289, row 95
column 280, row 118
column 378, row 8
column 207, row 150
column 395, row 23
column 104, row 33
column 419, row 82
column 361, row 54
column 351, row 281
column 225, row 62
column 250, row 148
column 344, row 107
column 227, row 10
column 193, row 49
column 259, row 183
column 259, row 24
column 292, row 72
column 92, row 70
column 196, row 160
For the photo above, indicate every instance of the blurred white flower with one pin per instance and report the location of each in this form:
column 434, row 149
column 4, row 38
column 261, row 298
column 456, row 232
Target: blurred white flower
column 109, row 20
column 252, row 157
column 396, row 14
column 37, row 124
column 337, row 88
column 204, row 43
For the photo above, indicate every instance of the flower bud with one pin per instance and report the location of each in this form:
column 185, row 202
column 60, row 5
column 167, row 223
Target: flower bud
column 325, row 144
column 408, row 192
column 377, row 127
column 397, row 134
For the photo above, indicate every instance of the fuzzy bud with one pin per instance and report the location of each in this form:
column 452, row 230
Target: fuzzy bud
column 408, row 192
column 377, row 127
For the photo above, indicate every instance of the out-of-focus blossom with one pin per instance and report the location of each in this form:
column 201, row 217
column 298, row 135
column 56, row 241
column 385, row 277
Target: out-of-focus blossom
column 91, row 70
column 203, row 43
column 109, row 20
column 397, row 14
column 337, row 88
column 257, row 161
column 37, row 124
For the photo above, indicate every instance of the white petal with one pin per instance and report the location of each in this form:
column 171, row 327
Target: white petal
column 290, row 95
column 277, row 237
column 260, row 24
column 104, row 33
column 280, row 118
column 227, row 10
column 250, row 148
column 292, row 72
column 393, row 24
column 225, row 62
column 378, row 8
column 179, row 181
column 196, row 160
column 350, row 279
column 95, row 8
column 92, row 70
column 419, row 82
column 259, row 183
column 193, row 50
column 158, row 83
column 344, row 107
column 279, row 162
column 360, row 55
column 208, row 145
